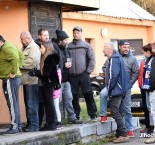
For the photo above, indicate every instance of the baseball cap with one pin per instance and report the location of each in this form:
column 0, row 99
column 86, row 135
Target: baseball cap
column 124, row 42
column 77, row 28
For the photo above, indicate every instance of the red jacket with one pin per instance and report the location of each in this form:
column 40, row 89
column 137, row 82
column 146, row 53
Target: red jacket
column 140, row 78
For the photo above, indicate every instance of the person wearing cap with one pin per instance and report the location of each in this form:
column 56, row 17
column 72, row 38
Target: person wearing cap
column 10, row 63
column 66, row 94
column 132, row 69
column 83, row 63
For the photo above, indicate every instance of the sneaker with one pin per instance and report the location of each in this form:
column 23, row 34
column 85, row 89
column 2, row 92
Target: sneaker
column 31, row 129
column 145, row 130
column 12, row 131
column 94, row 119
column 121, row 139
column 59, row 125
column 48, row 127
column 130, row 134
column 150, row 140
column 76, row 121
column 20, row 129
column 103, row 119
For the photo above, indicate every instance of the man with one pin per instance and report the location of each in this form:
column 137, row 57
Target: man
column 132, row 69
column 11, row 59
column 30, row 84
column 151, row 140
column 43, row 36
column 62, row 41
column 83, row 62
column 118, row 84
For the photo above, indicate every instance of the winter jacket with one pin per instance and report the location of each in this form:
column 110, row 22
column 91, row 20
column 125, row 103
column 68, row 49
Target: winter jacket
column 11, row 59
column 83, row 58
column 31, row 60
column 119, row 81
column 152, row 76
column 131, row 67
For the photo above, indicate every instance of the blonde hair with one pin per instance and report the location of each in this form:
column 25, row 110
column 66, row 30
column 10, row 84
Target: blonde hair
column 49, row 49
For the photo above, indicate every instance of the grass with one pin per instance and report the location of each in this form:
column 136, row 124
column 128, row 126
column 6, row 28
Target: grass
column 84, row 114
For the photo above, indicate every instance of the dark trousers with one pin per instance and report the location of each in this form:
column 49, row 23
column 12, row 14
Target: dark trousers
column 117, row 114
column 49, row 106
column 83, row 81
column 31, row 99
column 11, row 92
column 145, row 108
column 41, row 106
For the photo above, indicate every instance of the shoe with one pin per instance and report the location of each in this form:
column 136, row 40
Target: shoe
column 31, row 129
column 103, row 119
column 121, row 139
column 59, row 125
column 20, row 129
column 130, row 134
column 94, row 119
column 76, row 121
column 145, row 130
column 12, row 131
column 48, row 127
column 150, row 140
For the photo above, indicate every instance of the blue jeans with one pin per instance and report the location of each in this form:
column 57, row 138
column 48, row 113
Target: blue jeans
column 103, row 102
column 31, row 98
column 125, row 104
column 127, row 110
column 67, row 97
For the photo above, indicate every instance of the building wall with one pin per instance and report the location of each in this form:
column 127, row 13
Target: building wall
column 16, row 17
column 13, row 20
column 117, row 29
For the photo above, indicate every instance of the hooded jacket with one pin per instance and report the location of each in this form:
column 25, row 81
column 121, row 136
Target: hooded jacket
column 119, row 81
column 83, row 58
column 131, row 67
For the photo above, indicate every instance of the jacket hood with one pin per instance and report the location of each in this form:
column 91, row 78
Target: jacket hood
column 115, row 54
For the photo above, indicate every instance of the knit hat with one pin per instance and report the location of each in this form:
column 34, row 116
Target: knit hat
column 61, row 35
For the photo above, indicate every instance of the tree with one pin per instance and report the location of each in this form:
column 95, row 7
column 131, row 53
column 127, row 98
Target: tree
column 148, row 5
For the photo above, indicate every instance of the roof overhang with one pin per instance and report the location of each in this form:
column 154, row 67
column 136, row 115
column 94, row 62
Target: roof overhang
column 72, row 5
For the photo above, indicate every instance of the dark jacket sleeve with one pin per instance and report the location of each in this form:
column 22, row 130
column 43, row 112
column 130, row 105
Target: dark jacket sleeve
column 152, row 76
column 135, row 71
column 114, row 74
column 57, row 50
column 91, row 59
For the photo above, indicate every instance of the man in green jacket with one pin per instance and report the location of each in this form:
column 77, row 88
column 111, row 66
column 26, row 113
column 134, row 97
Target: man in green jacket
column 10, row 63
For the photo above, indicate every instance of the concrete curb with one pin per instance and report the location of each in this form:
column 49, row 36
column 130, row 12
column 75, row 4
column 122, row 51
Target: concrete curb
column 70, row 134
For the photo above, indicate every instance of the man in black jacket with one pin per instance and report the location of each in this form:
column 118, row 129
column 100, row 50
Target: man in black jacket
column 62, row 41
column 83, row 63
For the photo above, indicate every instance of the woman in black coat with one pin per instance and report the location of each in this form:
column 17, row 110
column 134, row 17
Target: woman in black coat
column 50, row 81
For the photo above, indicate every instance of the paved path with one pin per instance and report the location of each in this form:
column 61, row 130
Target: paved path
column 137, row 140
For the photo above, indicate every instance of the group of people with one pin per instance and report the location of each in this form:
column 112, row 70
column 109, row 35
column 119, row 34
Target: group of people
column 121, row 72
column 51, row 71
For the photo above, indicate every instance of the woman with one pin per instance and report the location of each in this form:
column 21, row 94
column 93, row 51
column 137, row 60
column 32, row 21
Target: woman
column 143, row 81
column 50, row 81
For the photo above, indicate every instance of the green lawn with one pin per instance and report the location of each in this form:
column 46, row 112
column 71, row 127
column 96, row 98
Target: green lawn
column 84, row 116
